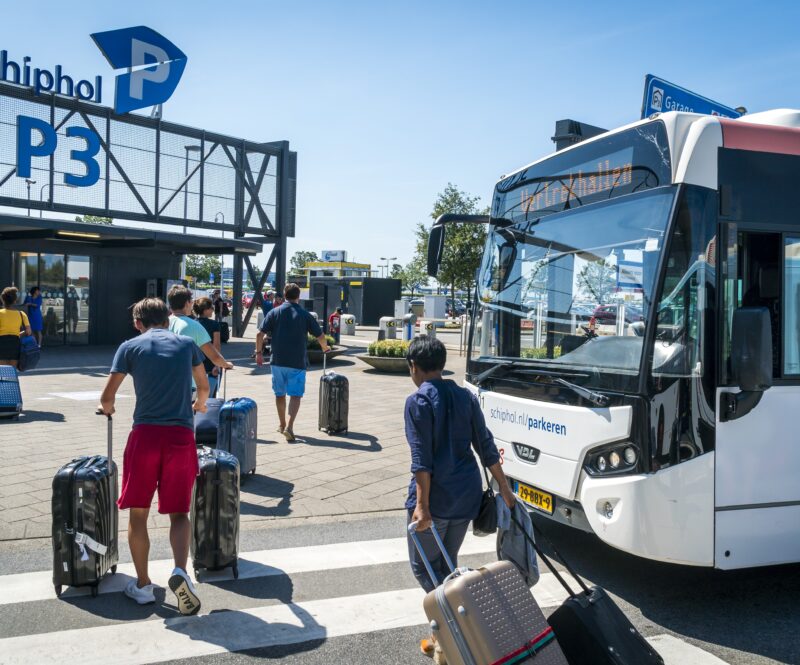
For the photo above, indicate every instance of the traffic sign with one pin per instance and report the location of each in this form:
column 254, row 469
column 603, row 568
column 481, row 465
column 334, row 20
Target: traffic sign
column 661, row 96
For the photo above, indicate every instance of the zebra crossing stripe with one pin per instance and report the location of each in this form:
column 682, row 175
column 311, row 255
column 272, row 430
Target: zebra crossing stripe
column 28, row 587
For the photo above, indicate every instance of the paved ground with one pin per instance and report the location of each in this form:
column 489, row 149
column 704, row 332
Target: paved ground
column 339, row 591
column 364, row 471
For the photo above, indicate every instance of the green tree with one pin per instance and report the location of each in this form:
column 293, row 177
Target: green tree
column 94, row 219
column 299, row 260
column 396, row 272
column 200, row 267
column 415, row 275
column 463, row 247
column 257, row 271
column 598, row 279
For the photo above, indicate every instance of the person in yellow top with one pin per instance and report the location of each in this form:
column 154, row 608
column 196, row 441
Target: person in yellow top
column 12, row 322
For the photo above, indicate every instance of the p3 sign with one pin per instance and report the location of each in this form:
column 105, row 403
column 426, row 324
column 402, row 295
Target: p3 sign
column 37, row 138
column 154, row 66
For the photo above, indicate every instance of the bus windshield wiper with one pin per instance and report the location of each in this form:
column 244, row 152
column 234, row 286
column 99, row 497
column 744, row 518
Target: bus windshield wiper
column 487, row 373
column 598, row 399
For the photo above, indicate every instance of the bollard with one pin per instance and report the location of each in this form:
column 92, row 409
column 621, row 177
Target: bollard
column 348, row 324
column 409, row 320
column 388, row 325
column 427, row 328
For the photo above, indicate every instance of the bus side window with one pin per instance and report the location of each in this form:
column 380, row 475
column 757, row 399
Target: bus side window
column 791, row 306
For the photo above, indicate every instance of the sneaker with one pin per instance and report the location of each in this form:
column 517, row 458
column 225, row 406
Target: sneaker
column 183, row 588
column 289, row 435
column 142, row 595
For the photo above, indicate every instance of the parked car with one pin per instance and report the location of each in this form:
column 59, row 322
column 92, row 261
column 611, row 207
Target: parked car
column 607, row 314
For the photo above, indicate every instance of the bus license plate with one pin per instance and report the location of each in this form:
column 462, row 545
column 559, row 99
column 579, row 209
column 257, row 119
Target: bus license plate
column 536, row 498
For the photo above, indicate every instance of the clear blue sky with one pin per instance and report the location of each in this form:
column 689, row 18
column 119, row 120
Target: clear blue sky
column 386, row 104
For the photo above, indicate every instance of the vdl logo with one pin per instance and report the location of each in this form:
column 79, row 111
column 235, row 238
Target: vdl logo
column 155, row 66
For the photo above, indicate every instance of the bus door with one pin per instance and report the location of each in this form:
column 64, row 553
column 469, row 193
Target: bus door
column 757, row 465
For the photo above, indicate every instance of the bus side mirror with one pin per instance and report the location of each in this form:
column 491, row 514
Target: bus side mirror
column 751, row 348
column 435, row 249
column 751, row 361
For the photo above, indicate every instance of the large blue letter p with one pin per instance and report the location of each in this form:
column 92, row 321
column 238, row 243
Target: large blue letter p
column 25, row 148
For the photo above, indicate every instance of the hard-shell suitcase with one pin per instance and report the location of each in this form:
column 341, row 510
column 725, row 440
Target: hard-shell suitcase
column 238, row 429
column 206, row 425
column 10, row 394
column 487, row 616
column 215, row 512
column 591, row 628
column 85, row 520
column 334, row 400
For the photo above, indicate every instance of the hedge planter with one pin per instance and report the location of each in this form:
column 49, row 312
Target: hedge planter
column 315, row 355
column 385, row 364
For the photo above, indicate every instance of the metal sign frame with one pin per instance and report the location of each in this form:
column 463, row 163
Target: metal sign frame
column 260, row 211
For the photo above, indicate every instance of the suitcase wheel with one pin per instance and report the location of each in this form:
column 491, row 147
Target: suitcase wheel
column 95, row 591
column 58, row 589
column 236, row 571
column 114, row 569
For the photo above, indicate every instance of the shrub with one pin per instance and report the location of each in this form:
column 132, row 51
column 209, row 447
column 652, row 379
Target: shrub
column 539, row 353
column 313, row 344
column 388, row 348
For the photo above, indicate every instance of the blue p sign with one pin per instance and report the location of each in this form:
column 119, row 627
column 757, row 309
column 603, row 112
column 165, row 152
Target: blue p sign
column 46, row 144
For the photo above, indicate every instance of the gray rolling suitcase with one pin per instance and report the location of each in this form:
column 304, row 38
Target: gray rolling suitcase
column 238, row 429
column 10, row 394
column 334, row 400
column 487, row 616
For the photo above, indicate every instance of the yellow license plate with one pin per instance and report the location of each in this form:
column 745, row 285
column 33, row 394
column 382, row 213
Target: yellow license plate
column 536, row 498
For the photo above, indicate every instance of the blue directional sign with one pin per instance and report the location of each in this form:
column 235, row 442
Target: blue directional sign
column 661, row 96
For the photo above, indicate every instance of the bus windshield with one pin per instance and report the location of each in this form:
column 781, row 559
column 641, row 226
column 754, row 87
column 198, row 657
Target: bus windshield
column 573, row 290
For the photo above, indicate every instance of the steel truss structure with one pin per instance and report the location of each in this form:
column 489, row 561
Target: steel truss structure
column 158, row 172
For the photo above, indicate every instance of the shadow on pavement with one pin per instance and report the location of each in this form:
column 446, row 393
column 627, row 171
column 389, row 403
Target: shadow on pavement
column 348, row 441
column 39, row 417
column 753, row 610
column 270, row 488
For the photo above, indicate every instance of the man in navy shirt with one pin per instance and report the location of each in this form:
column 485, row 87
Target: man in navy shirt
column 444, row 424
column 160, row 453
column 289, row 326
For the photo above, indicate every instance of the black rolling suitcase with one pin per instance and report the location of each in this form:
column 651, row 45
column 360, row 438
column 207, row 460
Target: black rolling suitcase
column 10, row 394
column 215, row 512
column 334, row 400
column 589, row 626
column 85, row 521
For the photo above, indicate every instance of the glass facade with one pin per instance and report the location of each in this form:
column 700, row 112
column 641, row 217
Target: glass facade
column 64, row 282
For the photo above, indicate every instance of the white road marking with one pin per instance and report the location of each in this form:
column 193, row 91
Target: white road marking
column 675, row 651
column 27, row 587
column 83, row 396
column 132, row 643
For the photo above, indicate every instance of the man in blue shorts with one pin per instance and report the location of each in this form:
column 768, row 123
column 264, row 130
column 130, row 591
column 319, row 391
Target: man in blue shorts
column 288, row 326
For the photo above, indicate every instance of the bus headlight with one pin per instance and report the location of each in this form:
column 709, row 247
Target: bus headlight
column 612, row 459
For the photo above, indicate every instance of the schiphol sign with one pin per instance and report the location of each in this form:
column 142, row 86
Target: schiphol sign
column 661, row 96
column 154, row 68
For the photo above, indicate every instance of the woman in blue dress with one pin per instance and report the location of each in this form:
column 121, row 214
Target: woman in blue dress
column 33, row 307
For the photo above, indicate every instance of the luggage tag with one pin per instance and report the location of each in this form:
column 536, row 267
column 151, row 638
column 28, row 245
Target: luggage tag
column 83, row 541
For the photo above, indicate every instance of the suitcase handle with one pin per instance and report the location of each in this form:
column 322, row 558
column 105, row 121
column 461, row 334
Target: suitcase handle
column 412, row 532
column 110, row 435
column 549, row 563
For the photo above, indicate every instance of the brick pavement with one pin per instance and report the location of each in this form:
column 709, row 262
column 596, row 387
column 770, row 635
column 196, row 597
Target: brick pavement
column 363, row 471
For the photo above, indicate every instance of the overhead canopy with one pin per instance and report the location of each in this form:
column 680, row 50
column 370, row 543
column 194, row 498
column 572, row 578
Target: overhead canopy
column 17, row 227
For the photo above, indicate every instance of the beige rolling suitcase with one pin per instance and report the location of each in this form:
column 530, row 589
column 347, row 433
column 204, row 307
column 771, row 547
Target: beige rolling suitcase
column 487, row 616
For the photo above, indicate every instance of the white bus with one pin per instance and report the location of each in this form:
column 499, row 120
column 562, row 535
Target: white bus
column 636, row 336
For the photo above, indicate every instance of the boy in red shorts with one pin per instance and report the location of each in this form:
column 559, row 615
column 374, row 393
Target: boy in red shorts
column 160, row 453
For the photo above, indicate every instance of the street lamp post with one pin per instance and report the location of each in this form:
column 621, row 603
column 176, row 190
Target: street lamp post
column 386, row 265
column 41, row 193
column 188, row 149
column 29, row 182
column 221, row 256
